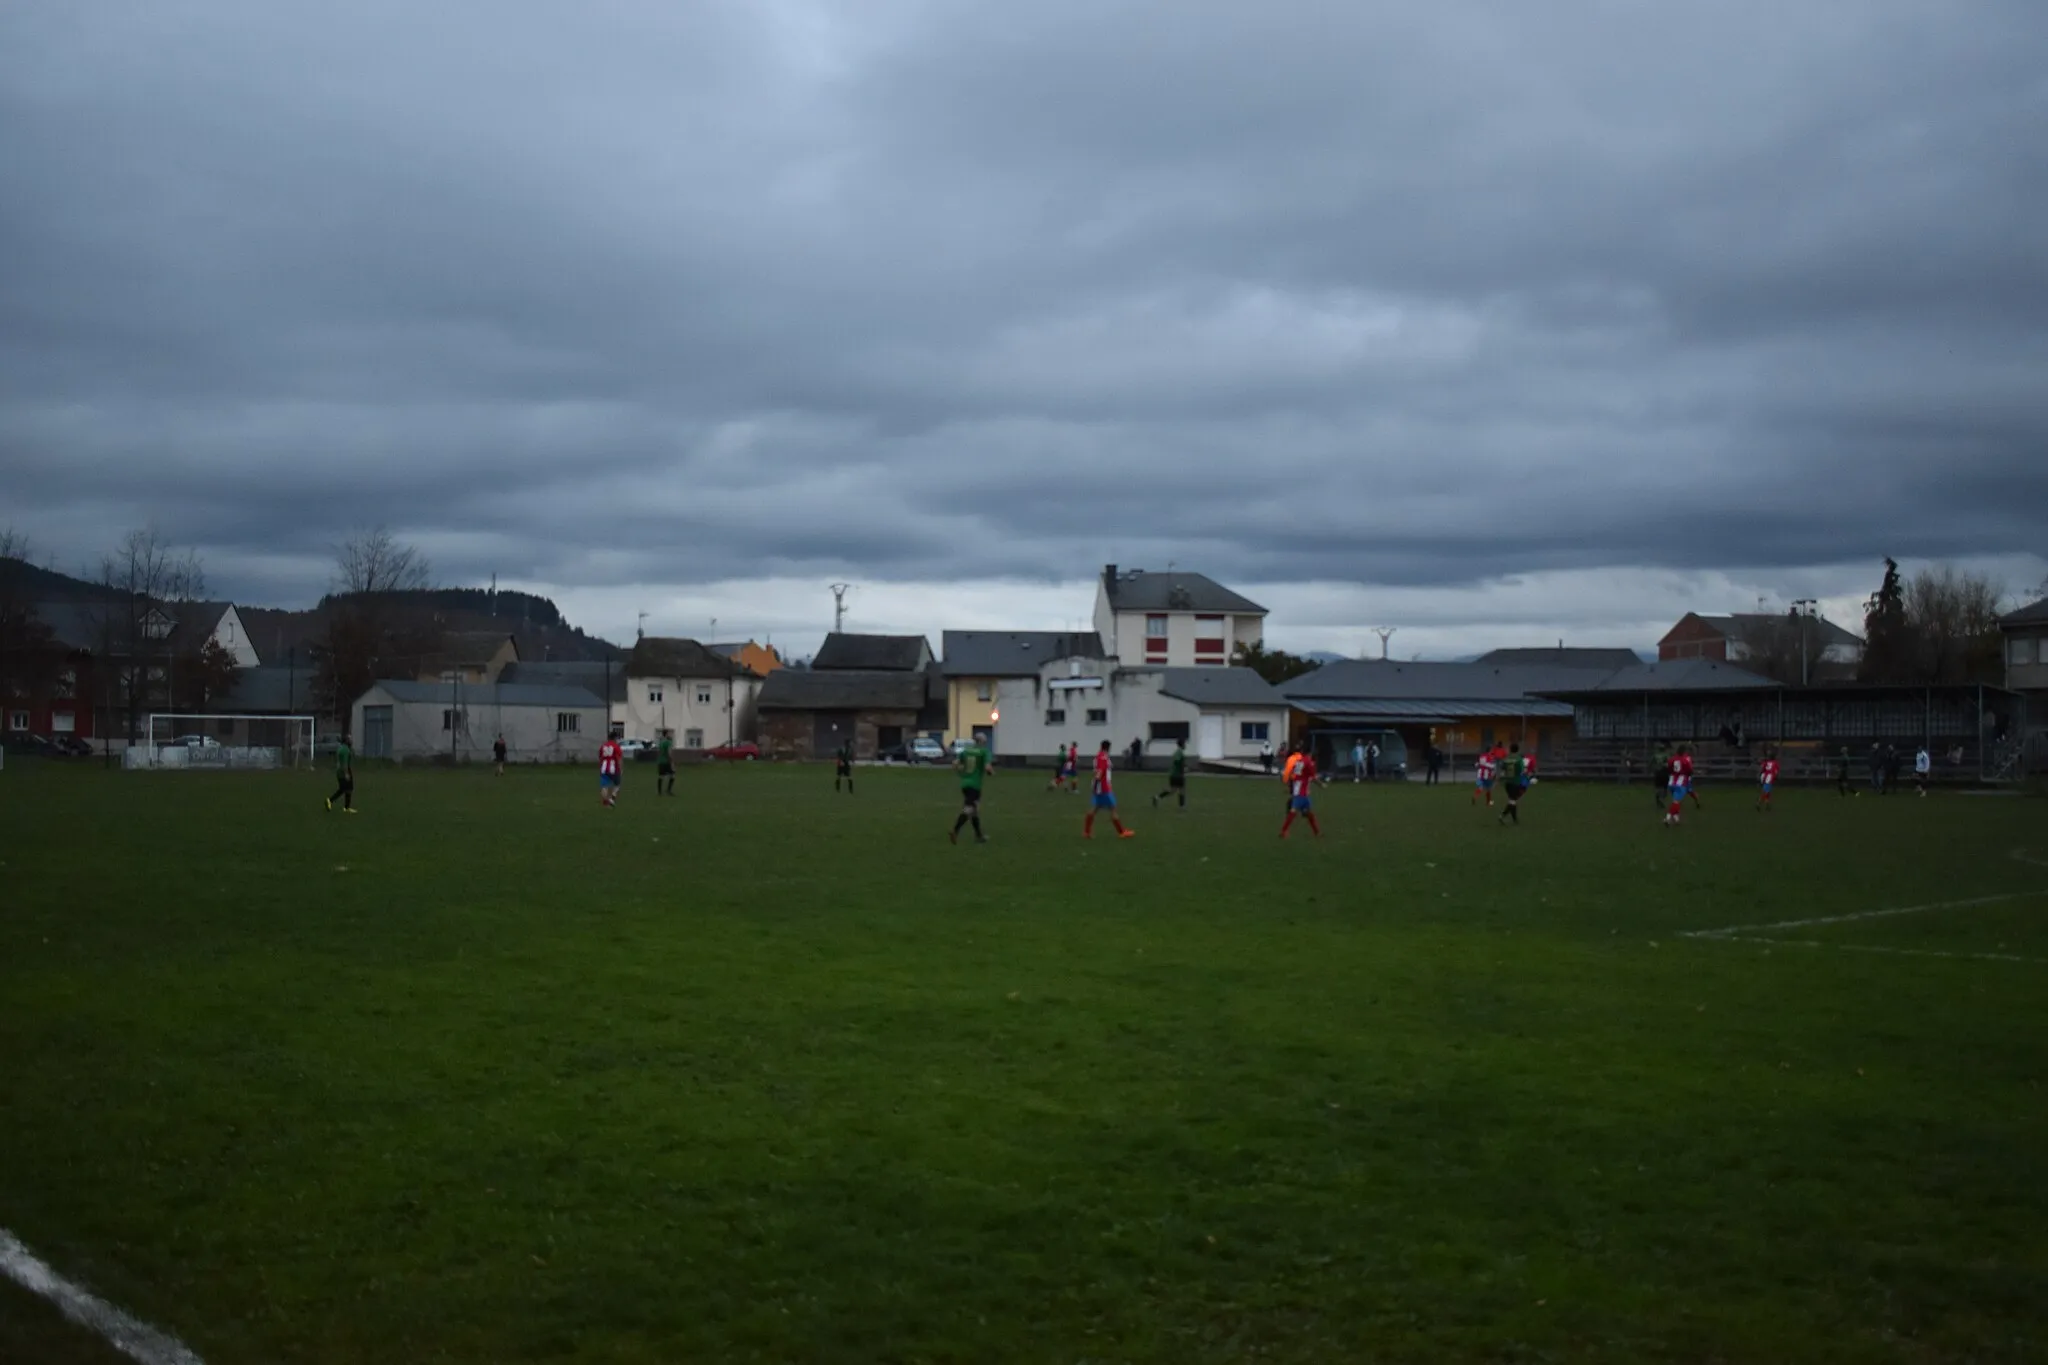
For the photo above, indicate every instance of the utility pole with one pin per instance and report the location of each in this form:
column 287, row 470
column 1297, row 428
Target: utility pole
column 1385, row 633
column 1803, row 609
column 839, row 591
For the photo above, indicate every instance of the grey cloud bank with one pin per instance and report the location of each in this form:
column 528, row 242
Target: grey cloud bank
column 714, row 301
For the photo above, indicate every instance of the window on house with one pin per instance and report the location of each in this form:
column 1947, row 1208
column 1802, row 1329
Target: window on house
column 693, row 739
column 703, row 694
column 983, row 691
column 568, row 723
column 1171, row 730
column 2021, row 650
column 654, row 696
column 1056, row 718
column 1254, row 731
column 64, row 723
column 1098, row 716
column 67, row 683
column 156, row 626
column 453, row 719
column 17, row 720
column 1155, row 628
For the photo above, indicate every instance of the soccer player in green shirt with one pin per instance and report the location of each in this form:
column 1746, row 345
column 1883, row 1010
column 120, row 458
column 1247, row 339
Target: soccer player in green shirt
column 973, row 765
column 1176, row 776
column 344, row 777
column 665, row 774
column 1514, row 770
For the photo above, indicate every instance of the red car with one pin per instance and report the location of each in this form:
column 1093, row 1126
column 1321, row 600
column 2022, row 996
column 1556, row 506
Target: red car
column 742, row 752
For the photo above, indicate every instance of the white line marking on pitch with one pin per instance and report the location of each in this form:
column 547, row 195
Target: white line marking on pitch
column 1872, row 948
column 1735, row 929
column 136, row 1340
column 1761, row 933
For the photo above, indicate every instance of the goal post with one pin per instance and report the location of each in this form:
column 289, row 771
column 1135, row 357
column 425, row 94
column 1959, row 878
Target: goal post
column 180, row 741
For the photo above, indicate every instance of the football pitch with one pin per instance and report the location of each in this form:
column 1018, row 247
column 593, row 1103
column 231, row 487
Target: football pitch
column 762, row 1072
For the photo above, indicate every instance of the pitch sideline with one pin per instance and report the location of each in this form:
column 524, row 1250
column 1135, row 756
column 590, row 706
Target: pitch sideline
column 137, row 1340
column 1766, row 933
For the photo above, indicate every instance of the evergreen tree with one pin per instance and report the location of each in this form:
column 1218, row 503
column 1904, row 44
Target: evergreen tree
column 1887, row 634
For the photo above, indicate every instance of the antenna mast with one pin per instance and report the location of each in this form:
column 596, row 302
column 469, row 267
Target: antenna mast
column 1385, row 633
column 839, row 591
column 640, row 627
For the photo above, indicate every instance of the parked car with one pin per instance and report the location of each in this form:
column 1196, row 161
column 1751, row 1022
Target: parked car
column 636, row 750
column 927, row 749
column 26, row 744
column 71, row 746
column 743, row 752
column 194, row 742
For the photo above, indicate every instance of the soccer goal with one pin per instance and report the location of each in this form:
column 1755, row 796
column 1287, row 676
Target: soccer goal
column 185, row 742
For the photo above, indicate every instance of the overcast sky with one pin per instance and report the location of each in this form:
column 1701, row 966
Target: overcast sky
column 1494, row 322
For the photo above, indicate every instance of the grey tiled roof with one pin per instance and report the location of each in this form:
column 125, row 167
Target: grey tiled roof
column 484, row 694
column 1142, row 590
column 1384, row 678
column 1742, row 625
column 1220, row 687
column 584, row 673
column 884, row 652
column 1675, row 675
column 1563, row 657
column 2032, row 614
column 806, row 689
column 665, row 657
column 1013, row 653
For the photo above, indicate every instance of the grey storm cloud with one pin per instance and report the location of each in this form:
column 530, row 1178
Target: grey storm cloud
column 1400, row 294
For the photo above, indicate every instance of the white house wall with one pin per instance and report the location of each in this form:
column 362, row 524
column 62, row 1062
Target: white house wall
column 1127, row 630
column 230, row 635
column 532, row 733
column 1134, row 704
column 680, row 711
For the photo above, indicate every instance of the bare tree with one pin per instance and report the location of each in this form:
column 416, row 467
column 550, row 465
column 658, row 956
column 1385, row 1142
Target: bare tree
column 1775, row 647
column 1953, row 615
column 369, row 623
column 140, row 580
column 372, row 562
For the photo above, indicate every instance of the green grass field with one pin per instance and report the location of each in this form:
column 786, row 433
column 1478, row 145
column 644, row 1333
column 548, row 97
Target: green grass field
column 486, row 1073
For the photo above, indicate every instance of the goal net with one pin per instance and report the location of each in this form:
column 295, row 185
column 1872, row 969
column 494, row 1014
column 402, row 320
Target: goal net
column 185, row 742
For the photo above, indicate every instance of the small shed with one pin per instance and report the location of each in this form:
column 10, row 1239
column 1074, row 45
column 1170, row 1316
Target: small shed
column 406, row 720
column 809, row 713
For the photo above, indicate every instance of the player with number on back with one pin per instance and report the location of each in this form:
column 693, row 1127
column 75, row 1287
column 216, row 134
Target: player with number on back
column 1766, row 779
column 611, row 761
column 1104, row 798
column 1482, row 775
column 1678, row 780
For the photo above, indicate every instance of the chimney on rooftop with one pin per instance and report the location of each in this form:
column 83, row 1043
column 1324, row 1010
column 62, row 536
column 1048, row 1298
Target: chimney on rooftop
column 1109, row 573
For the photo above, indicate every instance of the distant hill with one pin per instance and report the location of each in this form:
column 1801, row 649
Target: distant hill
column 36, row 584
column 535, row 622
column 280, row 635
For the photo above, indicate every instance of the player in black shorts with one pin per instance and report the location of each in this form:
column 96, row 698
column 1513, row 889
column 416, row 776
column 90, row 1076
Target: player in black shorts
column 665, row 774
column 844, row 773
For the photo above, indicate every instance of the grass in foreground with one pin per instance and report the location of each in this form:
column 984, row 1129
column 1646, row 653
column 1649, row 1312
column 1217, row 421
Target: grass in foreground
column 486, row 1073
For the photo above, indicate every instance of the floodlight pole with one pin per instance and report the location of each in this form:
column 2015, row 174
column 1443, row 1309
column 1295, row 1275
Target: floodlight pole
column 1803, row 609
column 1385, row 633
column 839, row 591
